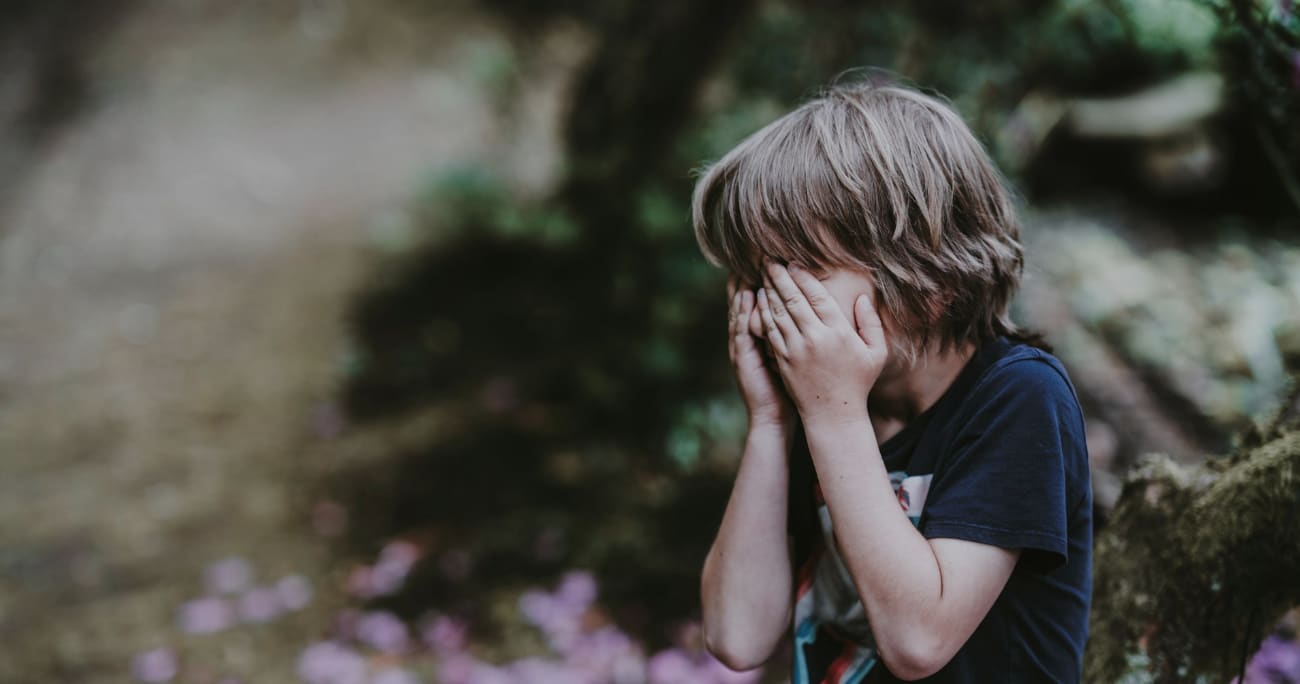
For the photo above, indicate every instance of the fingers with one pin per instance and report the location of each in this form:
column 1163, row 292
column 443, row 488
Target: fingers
column 774, row 335
column 739, row 328
column 867, row 321
column 819, row 298
column 738, row 323
column 788, row 301
column 780, row 316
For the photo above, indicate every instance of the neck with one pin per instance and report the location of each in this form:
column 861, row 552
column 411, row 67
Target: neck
column 904, row 392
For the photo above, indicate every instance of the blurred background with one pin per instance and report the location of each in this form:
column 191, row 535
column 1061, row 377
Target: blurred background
column 349, row 341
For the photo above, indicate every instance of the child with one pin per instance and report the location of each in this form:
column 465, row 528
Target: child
column 914, row 495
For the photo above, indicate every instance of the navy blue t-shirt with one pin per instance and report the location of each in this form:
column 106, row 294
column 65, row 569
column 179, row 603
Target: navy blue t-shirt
column 1008, row 462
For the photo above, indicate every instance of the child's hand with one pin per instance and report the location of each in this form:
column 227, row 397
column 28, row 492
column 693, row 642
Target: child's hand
column 829, row 363
column 765, row 399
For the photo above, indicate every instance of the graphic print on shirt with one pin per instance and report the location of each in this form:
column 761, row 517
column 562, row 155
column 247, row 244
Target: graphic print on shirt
column 827, row 606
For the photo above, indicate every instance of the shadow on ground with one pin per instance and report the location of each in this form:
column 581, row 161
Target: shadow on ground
column 558, row 459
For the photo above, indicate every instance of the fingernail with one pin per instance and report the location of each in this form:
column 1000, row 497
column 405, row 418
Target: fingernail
column 795, row 267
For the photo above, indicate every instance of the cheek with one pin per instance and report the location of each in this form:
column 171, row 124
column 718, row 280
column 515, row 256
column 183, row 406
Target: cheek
column 844, row 303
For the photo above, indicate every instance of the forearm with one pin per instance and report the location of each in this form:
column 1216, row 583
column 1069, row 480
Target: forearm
column 894, row 567
column 746, row 584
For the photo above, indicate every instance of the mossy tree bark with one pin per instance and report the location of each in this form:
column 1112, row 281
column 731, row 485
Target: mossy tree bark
column 1197, row 563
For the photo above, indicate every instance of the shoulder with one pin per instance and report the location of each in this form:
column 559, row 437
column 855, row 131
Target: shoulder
column 1023, row 400
column 1025, row 377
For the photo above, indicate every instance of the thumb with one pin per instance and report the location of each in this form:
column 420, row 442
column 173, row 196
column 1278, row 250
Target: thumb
column 868, row 322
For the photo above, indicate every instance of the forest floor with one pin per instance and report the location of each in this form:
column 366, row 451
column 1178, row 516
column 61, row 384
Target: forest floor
column 175, row 269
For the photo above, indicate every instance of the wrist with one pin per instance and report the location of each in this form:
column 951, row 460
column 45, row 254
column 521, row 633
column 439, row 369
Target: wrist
column 769, row 417
column 836, row 415
column 774, row 430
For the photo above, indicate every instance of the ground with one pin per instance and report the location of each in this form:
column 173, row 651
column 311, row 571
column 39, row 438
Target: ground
column 175, row 269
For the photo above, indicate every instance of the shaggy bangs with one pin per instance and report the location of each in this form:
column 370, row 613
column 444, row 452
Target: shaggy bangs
column 882, row 179
column 769, row 198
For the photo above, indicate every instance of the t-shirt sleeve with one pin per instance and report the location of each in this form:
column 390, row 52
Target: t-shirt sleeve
column 1005, row 480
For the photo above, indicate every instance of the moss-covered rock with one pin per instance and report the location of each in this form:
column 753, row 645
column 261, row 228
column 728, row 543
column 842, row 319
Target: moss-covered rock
column 1197, row 563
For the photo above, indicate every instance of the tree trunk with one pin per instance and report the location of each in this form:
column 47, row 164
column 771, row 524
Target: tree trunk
column 1197, row 563
column 633, row 98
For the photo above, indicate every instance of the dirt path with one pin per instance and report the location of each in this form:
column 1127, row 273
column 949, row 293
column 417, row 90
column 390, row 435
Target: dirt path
column 174, row 272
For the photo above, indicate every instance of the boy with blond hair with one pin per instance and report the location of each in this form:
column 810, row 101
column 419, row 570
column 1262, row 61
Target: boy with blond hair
column 914, row 496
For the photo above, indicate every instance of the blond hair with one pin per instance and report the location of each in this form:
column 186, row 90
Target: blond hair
column 879, row 178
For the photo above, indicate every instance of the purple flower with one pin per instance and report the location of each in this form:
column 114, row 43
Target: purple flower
column 205, row 615
column 445, row 634
column 157, row 665
column 490, row 674
column 628, row 668
column 538, row 607
column 294, row 592
column 1276, row 662
column 542, row 671
column 465, row 669
column 577, row 589
column 561, row 621
column 608, row 653
column 228, row 576
column 456, row 668
column 383, row 632
column 399, row 552
column 260, row 605
column 671, row 666
column 329, row 662
column 395, row 562
column 345, row 624
column 394, row 675
column 722, row 674
column 359, row 582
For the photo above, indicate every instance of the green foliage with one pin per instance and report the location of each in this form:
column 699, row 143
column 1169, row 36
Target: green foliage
column 475, row 197
column 1180, row 27
column 1261, row 55
column 982, row 56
